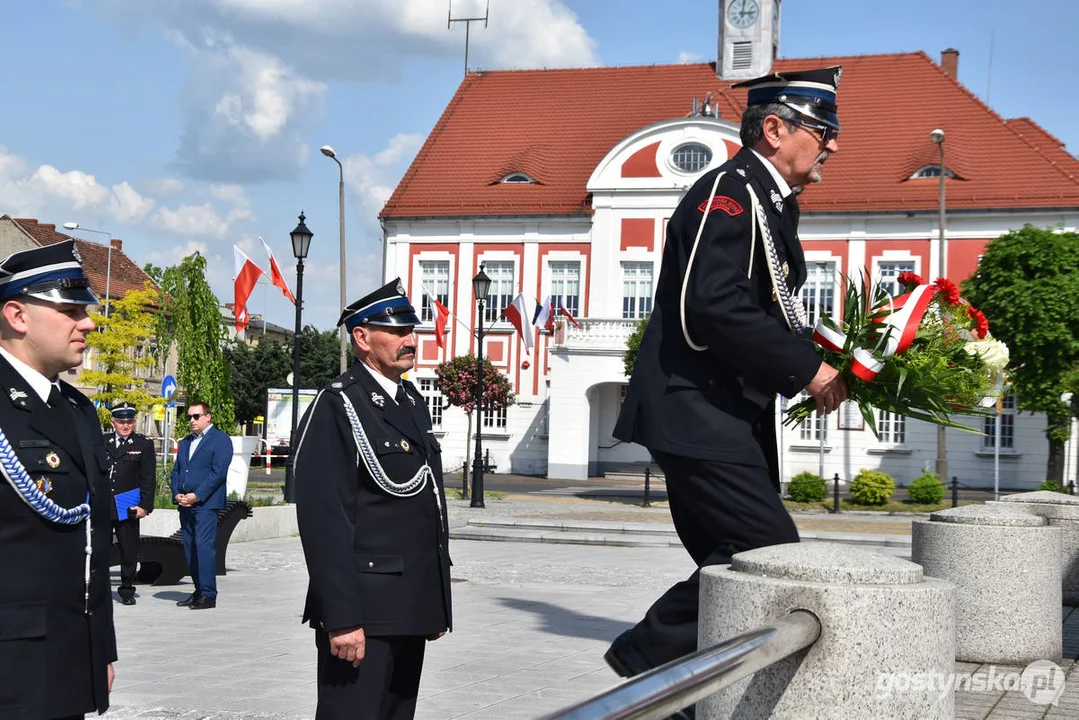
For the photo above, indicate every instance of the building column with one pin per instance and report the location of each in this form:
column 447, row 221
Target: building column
column 568, row 425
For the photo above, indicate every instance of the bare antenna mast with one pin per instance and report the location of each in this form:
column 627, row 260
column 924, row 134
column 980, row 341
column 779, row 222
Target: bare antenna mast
column 450, row 20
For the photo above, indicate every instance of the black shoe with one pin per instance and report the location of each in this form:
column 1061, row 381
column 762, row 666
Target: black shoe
column 624, row 657
column 189, row 599
column 127, row 600
column 204, row 603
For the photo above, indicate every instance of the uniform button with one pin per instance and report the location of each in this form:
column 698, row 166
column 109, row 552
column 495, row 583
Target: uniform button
column 370, row 564
column 791, row 378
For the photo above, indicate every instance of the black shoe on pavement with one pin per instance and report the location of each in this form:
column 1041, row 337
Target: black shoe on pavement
column 204, row 603
column 127, row 600
column 624, row 657
column 189, row 599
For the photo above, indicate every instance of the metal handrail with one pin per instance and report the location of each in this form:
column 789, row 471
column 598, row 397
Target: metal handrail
column 680, row 683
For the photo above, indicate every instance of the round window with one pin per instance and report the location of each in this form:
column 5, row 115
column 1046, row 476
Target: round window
column 691, row 157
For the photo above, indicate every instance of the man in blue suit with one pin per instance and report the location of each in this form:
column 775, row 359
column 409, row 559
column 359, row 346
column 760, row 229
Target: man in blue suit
column 198, row 487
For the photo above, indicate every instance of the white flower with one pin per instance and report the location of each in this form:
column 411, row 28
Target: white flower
column 993, row 353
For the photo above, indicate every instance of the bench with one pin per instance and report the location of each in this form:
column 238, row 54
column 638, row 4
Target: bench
column 162, row 560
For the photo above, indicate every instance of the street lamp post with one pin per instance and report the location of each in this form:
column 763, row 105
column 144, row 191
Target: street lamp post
column 108, row 264
column 301, row 243
column 937, row 136
column 329, row 152
column 481, row 284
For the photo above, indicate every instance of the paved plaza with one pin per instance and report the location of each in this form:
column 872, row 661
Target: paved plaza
column 531, row 623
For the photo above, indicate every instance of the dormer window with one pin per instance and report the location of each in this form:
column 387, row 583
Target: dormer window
column 691, row 157
column 931, row 171
column 518, row 177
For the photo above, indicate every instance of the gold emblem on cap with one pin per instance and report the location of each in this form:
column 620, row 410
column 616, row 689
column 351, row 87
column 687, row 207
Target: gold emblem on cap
column 400, row 289
column 404, row 445
column 75, row 253
column 44, row 485
column 52, row 460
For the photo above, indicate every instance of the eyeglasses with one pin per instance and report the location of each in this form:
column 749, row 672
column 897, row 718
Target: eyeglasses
column 196, row 416
column 826, row 133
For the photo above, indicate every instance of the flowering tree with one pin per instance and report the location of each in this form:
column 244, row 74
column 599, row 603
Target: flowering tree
column 1028, row 286
column 457, row 380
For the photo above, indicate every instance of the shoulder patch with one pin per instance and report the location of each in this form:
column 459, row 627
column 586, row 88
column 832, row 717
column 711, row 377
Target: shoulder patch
column 721, row 202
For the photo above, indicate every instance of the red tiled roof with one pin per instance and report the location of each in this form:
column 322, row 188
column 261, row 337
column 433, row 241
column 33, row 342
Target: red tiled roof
column 556, row 126
column 124, row 274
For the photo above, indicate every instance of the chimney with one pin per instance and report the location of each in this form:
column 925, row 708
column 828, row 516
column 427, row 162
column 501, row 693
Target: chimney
column 117, row 244
column 949, row 62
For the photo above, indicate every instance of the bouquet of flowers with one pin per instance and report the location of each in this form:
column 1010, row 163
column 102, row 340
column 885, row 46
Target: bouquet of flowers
column 926, row 354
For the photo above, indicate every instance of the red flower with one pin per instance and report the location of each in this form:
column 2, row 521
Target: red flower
column 981, row 325
column 949, row 289
column 907, row 278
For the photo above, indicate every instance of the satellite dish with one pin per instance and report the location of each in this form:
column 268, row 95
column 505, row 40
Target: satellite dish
column 288, row 379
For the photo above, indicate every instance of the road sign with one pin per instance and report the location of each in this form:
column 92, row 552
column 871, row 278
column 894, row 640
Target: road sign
column 168, row 389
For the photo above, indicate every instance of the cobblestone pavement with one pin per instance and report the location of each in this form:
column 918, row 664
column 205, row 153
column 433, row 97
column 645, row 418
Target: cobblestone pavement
column 531, row 624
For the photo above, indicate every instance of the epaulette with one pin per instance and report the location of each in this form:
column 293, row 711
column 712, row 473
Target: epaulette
column 342, row 381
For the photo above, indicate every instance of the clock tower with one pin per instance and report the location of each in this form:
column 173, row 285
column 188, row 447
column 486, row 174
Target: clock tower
column 748, row 38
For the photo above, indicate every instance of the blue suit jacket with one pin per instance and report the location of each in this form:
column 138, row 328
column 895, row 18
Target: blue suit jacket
column 204, row 472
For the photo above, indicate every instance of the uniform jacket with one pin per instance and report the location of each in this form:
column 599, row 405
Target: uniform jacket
column 374, row 560
column 132, row 464
column 718, row 404
column 205, row 472
column 53, row 657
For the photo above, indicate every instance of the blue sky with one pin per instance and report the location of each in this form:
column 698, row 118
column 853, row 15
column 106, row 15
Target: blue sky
column 195, row 124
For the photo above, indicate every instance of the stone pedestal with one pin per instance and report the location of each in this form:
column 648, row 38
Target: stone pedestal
column 1061, row 511
column 1005, row 563
column 887, row 640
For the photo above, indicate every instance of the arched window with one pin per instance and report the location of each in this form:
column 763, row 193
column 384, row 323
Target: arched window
column 517, row 177
column 931, row 171
column 691, row 157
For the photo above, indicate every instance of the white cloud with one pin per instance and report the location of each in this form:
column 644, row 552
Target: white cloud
column 372, row 178
column 174, row 254
column 127, row 205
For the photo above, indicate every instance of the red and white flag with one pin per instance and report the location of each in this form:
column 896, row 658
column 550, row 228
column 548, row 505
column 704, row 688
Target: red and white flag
column 518, row 315
column 569, row 316
column 275, row 274
column 440, row 323
column 247, row 275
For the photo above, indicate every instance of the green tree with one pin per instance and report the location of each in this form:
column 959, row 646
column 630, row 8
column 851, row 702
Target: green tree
column 320, row 357
column 633, row 345
column 1027, row 284
column 121, row 351
column 254, row 369
column 191, row 317
column 457, row 381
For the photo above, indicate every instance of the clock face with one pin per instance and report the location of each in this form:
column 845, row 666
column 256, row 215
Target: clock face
column 742, row 13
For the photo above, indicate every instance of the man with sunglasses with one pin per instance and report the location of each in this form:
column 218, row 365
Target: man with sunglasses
column 726, row 335
column 132, row 474
column 198, row 487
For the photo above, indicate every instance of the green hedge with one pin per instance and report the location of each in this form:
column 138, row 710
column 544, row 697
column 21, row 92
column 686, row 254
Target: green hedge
column 872, row 487
column 807, row 487
column 926, row 489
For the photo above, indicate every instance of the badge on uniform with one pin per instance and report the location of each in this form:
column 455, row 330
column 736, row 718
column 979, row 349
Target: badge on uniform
column 741, row 172
column 44, row 485
column 52, row 460
column 378, row 399
column 17, row 395
column 411, row 399
column 405, row 445
column 786, row 269
column 777, row 200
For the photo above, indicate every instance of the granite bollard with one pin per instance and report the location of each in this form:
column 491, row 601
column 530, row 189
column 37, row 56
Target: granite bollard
column 887, row 644
column 1061, row 511
column 1005, row 563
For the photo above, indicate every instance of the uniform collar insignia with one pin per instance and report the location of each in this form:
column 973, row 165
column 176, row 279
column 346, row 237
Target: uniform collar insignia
column 740, row 171
column 17, row 395
column 777, row 200
column 378, row 399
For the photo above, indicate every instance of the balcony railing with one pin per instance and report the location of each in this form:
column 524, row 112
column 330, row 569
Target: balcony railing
column 594, row 334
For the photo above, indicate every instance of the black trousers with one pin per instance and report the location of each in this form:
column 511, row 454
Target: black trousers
column 127, row 538
column 383, row 687
column 718, row 509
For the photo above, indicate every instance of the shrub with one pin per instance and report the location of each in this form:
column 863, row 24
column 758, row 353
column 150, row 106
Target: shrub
column 926, row 489
column 872, row 487
column 807, row 487
column 1052, row 485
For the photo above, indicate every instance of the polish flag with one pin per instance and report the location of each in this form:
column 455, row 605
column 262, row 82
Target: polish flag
column 275, row 274
column 517, row 314
column 562, row 309
column 544, row 317
column 247, row 274
column 440, row 323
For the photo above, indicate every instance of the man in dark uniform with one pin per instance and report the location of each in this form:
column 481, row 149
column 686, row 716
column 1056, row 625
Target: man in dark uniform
column 57, row 642
column 727, row 334
column 132, row 473
column 372, row 518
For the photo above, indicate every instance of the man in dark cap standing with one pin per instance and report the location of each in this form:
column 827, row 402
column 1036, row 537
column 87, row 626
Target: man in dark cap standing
column 132, row 474
column 727, row 334
column 372, row 518
column 57, row 642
